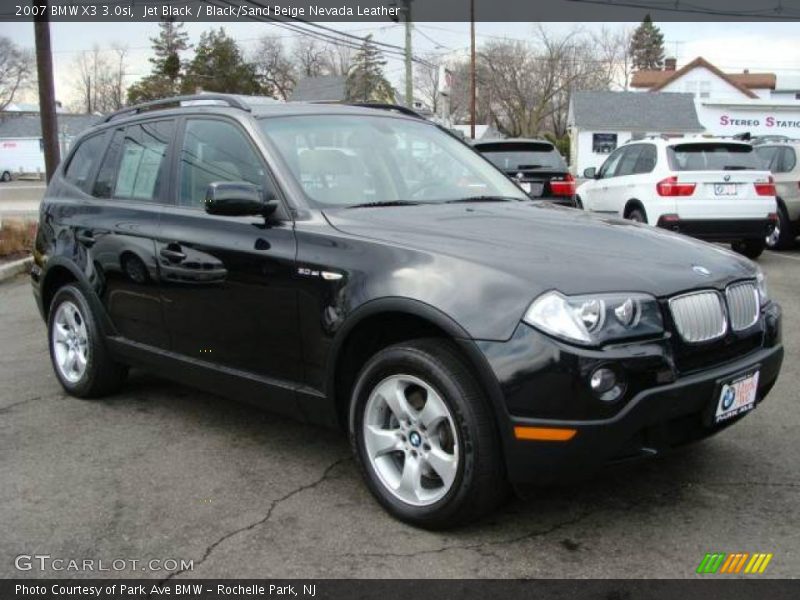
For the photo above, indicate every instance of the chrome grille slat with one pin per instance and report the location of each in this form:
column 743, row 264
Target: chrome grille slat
column 743, row 305
column 699, row 316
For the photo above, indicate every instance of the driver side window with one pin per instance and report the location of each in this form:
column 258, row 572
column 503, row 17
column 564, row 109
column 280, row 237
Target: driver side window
column 609, row 167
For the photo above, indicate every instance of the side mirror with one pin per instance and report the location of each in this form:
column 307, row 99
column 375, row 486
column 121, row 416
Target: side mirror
column 590, row 173
column 238, row 199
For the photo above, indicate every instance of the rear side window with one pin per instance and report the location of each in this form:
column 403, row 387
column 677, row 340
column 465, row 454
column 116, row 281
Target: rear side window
column 646, row 161
column 766, row 156
column 134, row 166
column 84, row 160
column 788, row 160
column 712, row 156
column 522, row 156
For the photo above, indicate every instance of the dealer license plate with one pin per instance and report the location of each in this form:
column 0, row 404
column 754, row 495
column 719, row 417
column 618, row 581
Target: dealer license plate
column 737, row 397
column 724, row 189
column 532, row 189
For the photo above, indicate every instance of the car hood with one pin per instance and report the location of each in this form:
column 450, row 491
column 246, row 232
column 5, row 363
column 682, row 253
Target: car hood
column 547, row 247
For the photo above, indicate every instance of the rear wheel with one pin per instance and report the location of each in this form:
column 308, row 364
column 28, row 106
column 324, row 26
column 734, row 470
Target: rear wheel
column 578, row 203
column 782, row 237
column 425, row 437
column 637, row 214
column 6, row 176
column 750, row 248
column 77, row 349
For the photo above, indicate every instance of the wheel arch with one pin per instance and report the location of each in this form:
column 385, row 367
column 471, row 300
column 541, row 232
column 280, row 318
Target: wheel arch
column 61, row 272
column 632, row 204
column 400, row 319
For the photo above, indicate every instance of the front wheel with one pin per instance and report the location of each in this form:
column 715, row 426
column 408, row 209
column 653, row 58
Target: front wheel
column 750, row 248
column 6, row 176
column 424, row 436
column 77, row 349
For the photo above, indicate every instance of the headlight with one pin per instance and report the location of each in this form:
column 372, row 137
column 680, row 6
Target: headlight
column 761, row 280
column 595, row 319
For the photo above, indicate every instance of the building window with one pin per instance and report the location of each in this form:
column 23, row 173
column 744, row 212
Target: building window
column 604, row 143
column 705, row 89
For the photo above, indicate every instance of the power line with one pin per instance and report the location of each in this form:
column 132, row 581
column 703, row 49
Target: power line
column 773, row 14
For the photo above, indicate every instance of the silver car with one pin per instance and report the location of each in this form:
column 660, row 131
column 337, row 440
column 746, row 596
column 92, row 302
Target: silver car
column 781, row 157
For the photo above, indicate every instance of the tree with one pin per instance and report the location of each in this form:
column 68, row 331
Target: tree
column 309, row 56
column 16, row 67
column 426, row 82
column 366, row 81
column 274, row 68
column 647, row 46
column 171, row 41
column 100, row 82
column 219, row 66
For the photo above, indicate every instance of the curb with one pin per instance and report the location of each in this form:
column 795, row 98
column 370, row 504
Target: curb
column 9, row 270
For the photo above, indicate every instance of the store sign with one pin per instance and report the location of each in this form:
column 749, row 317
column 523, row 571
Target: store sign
column 769, row 121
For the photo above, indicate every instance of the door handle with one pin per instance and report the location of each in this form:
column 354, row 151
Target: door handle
column 172, row 253
column 86, row 238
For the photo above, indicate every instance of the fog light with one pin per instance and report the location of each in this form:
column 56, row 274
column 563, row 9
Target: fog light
column 602, row 380
column 605, row 385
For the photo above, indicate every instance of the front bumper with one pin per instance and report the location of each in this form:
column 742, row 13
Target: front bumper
column 719, row 230
column 544, row 385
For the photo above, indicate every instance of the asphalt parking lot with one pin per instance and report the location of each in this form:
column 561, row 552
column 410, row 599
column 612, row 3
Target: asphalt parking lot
column 161, row 471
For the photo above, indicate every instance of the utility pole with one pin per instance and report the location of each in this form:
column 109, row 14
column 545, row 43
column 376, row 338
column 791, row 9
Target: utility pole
column 409, row 73
column 472, row 69
column 47, row 95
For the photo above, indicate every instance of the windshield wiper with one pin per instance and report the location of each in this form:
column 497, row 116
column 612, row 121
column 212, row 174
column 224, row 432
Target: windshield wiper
column 386, row 203
column 482, row 199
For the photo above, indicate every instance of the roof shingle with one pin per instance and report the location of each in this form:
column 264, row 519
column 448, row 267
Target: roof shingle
column 635, row 111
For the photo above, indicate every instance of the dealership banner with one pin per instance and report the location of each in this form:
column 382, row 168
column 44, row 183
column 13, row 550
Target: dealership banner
column 387, row 10
column 717, row 588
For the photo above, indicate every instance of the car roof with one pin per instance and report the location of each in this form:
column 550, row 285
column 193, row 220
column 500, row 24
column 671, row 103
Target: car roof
column 242, row 106
column 512, row 141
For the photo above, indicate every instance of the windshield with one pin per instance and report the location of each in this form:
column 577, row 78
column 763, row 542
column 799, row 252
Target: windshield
column 518, row 156
column 343, row 160
column 712, row 157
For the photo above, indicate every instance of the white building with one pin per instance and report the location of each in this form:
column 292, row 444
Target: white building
column 599, row 122
column 731, row 103
column 21, row 144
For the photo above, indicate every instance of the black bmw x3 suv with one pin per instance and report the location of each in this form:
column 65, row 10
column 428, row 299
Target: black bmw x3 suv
column 363, row 268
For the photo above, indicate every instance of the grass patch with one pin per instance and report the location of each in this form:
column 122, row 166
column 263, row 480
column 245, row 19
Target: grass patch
column 16, row 238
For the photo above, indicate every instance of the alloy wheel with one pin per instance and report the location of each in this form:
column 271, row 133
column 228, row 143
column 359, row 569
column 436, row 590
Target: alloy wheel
column 410, row 440
column 70, row 342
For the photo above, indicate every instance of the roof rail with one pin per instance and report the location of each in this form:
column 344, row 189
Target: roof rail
column 230, row 100
column 395, row 107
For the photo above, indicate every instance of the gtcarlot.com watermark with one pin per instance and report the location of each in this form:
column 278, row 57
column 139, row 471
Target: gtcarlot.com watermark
column 46, row 562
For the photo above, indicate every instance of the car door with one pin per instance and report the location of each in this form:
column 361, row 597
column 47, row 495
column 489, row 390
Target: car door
column 598, row 199
column 117, row 228
column 787, row 181
column 227, row 282
column 619, row 188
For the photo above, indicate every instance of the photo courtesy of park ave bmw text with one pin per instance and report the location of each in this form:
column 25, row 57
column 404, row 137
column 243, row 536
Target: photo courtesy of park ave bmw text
column 399, row 298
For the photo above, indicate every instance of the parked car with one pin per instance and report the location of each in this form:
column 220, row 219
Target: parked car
column 466, row 338
column 535, row 165
column 712, row 189
column 781, row 159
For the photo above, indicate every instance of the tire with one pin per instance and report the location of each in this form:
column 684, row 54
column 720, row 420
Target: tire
column 637, row 214
column 89, row 371
column 5, row 177
column 750, row 248
column 578, row 203
column 469, row 456
column 783, row 236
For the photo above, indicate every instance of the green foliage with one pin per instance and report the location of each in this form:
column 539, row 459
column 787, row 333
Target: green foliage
column 366, row 81
column 561, row 143
column 647, row 46
column 164, row 80
column 219, row 66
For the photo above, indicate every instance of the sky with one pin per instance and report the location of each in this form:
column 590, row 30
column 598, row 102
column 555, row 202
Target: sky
column 732, row 46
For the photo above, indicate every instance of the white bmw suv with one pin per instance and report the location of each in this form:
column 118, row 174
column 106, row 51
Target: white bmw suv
column 709, row 188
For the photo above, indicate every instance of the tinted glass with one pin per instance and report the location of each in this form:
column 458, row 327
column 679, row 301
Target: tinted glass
column 83, row 162
column 712, row 156
column 142, row 164
column 519, row 156
column 212, row 151
column 766, row 156
column 646, row 161
column 629, row 157
column 107, row 176
column 611, row 163
column 343, row 160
